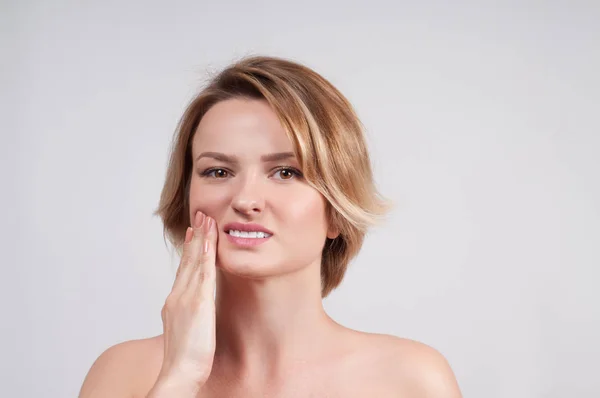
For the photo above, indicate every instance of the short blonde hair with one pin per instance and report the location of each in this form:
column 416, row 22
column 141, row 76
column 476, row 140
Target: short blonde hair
column 328, row 141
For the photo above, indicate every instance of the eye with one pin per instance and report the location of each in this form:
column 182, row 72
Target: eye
column 215, row 173
column 287, row 173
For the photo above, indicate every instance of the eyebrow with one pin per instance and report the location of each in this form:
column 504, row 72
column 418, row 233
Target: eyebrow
column 271, row 157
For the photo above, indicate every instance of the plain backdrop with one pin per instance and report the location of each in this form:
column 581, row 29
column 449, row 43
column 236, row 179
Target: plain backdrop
column 483, row 121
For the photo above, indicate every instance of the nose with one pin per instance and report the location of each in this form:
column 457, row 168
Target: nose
column 248, row 198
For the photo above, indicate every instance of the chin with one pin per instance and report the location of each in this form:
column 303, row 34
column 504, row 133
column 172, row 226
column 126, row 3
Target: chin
column 244, row 268
column 243, row 265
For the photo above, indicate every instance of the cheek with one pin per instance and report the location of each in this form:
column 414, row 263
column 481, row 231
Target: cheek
column 207, row 200
column 206, row 195
column 305, row 216
column 305, row 230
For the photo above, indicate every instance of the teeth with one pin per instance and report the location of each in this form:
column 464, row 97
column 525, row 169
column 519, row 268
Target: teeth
column 246, row 234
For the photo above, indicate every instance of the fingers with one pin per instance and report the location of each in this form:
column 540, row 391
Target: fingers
column 192, row 248
column 203, row 276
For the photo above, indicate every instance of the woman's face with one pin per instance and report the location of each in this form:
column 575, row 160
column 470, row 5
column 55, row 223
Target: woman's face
column 233, row 180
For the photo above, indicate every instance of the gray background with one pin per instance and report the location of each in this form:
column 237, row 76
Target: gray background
column 484, row 125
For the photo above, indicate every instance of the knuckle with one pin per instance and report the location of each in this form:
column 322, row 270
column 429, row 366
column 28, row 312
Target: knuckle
column 186, row 260
column 202, row 258
column 206, row 256
column 195, row 302
column 170, row 302
column 205, row 276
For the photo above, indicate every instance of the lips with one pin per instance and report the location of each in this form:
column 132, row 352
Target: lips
column 247, row 227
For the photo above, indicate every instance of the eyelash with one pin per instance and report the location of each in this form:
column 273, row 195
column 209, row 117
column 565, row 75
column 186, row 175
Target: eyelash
column 296, row 172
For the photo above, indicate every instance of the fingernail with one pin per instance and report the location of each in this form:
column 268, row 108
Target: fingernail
column 206, row 246
column 208, row 225
column 188, row 234
column 199, row 219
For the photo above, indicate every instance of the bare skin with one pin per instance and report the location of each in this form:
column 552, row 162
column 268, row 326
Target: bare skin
column 266, row 334
column 374, row 365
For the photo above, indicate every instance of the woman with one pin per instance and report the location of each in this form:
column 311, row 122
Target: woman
column 269, row 194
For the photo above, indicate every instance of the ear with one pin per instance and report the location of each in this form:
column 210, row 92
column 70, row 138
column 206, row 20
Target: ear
column 333, row 233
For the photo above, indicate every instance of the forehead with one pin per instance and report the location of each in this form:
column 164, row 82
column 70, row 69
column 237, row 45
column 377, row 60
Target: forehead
column 241, row 126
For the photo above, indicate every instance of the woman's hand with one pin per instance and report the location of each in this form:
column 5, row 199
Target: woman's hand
column 189, row 315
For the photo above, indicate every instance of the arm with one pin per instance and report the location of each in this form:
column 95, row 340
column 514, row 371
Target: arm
column 188, row 325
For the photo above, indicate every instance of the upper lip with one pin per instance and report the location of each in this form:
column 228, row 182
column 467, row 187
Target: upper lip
column 248, row 227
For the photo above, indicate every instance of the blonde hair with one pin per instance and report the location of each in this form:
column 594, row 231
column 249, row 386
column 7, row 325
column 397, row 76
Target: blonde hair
column 328, row 141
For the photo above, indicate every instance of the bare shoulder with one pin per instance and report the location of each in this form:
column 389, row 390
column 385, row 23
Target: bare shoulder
column 411, row 367
column 124, row 369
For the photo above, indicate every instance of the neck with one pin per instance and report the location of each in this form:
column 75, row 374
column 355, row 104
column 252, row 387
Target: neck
column 268, row 326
